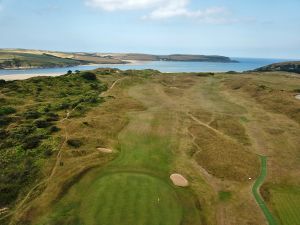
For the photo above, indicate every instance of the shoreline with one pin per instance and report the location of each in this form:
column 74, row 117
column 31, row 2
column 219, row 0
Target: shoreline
column 11, row 77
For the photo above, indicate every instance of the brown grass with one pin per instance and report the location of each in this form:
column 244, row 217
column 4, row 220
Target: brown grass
column 222, row 157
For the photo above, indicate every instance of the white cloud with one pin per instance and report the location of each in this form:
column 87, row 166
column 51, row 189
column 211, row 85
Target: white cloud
column 165, row 9
column 113, row 5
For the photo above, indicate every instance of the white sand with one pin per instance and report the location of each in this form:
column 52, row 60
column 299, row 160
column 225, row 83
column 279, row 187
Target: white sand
column 26, row 76
column 105, row 150
column 297, row 97
column 179, row 180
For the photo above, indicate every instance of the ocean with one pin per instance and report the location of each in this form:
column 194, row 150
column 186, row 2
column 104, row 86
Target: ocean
column 163, row 66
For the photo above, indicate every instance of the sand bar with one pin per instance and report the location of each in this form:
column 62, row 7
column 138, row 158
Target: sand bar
column 26, row 76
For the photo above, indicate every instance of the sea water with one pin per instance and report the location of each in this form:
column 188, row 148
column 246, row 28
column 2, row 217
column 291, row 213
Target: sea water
column 163, row 66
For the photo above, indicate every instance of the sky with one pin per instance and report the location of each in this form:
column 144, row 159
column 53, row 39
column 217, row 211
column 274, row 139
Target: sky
column 235, row 28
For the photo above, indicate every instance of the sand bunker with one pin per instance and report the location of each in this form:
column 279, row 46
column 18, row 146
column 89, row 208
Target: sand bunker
column 179, row 180
column 105, row 150
column 297, row 97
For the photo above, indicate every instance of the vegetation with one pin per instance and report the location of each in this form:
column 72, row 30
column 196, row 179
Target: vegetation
column 210, row 128
column 28, row 130
column 293, row 67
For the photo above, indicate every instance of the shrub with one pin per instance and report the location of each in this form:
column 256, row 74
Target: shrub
column 20, row 133
column 3, row 134
column 4, row 121
column 54, row 129
column 74, row 143
column 42, row 123
column 2, row 82
column 89, row 76
column 63, row 105
column 7, row 110
column 32, row 114
column 31, row 142
column 48, row 152
column 52, row 117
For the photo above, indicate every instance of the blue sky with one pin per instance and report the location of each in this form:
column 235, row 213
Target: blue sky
column 256, row 28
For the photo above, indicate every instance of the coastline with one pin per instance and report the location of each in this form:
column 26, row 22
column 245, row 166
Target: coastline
column 11, row 77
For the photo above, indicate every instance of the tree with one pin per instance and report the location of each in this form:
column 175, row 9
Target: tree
column 69, row 72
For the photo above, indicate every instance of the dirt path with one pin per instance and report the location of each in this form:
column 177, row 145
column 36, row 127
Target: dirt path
column 255, row 190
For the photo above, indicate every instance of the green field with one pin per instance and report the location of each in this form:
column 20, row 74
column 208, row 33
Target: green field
column 135, row 188
column 286, row 202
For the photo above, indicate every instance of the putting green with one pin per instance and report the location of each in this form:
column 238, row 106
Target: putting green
column 119, row 198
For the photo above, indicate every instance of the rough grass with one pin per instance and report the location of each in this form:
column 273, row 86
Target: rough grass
column 270, row 93
column 222, row 157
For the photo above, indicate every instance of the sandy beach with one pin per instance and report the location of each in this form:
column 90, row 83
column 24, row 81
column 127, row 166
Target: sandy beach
column 26, row 76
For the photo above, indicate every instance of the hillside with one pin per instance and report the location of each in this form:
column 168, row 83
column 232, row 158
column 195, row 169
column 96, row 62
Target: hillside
column 293, row 67
column 21, row 58
column 176, row 57
column 102, row 146
column 25, row 59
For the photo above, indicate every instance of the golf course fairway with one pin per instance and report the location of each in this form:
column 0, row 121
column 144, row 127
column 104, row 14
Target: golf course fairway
column 135, row 188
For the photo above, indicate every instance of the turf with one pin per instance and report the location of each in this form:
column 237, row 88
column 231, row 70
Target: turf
column 286, row 202
column 120, row 198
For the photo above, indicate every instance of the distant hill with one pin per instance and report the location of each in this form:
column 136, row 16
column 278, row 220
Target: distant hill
column 175, row 57
column 284, row 66
column 25, row 58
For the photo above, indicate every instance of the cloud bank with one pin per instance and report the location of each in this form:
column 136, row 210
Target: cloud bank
column 164, row 9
